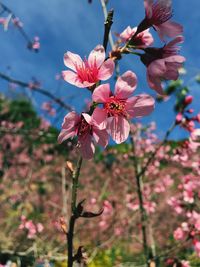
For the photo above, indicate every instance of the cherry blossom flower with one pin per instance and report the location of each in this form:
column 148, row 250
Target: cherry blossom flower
column 86, row 127
column 197, row 247
column 176, row 204
column 158, row 15
column 141, row 40
column 185, row 263
column 36, row 43
column 47, row 106
column 87, row 72
column 118, row 108
column 194, row 141
column 31, row 228
column 179, row 234
column 163, row 64
column 40, row 227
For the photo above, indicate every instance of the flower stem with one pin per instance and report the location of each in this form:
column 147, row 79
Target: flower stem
column 108, row 16
column 108, row 23
column 70, row 234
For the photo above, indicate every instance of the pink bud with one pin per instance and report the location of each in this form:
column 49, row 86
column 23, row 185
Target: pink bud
column 198, row 117
column 188, row 99
column 190, row 110
column 179, row 118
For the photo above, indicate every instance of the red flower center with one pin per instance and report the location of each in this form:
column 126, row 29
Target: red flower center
column 115, row 107
column 84, row 128
column 88, row 73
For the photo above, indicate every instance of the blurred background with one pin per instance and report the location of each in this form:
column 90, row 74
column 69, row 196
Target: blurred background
column 78, row 27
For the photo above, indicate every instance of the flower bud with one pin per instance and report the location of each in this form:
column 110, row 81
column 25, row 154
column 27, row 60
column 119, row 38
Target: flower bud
column 188, row 100
column 179, row 118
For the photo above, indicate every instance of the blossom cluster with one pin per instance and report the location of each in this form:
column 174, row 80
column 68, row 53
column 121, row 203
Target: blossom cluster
column 31, row 228
column 110, row 112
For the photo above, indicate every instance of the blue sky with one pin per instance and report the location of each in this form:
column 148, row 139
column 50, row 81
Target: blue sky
column 77, row 26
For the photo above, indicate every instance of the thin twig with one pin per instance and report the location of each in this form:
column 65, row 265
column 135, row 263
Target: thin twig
column 108, row 16
column 36, row 89
column 108, row 23
column 70, row 234
column 106, row 13
column 21, row 30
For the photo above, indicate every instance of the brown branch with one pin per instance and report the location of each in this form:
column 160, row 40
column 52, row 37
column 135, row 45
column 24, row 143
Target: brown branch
column 108, row 23
column 36, row 89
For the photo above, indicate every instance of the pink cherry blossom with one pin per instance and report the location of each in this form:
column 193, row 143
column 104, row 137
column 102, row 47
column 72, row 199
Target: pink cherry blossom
column 36, row 43
column 194, row 141
column 188, row 196
column 141, row 40
column 179, row 234
column 150, row 207
column 118, row 108
column 163, row 64
column 185, row 263
column 40, row 227
column 179, row 118
column 86, row 128
column 176, row 204
column 197, row 247
column 158, row 15
column 85, row 73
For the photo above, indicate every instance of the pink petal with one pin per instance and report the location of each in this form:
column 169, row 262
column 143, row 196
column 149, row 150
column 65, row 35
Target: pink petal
column 71, row 60
column 155, row 84
column 99, row 118
column 125, row 85
column 169, row 29
column 88, row 118
column 155, row 71
column 87, row 147
column 118, row 128
column 127, row 34
column 175, row 59
column 86, row 84
column 157, row 68
column 139, row 106
column 148, row 8
column 101, row 93
column 172, row 71
column 177, row 40
column 106, row 70
column 69, row 126
column 147, row 38
column 101, row 137
column 97, row 56
column 72, row 78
